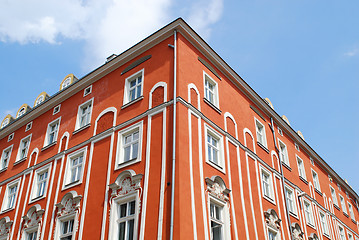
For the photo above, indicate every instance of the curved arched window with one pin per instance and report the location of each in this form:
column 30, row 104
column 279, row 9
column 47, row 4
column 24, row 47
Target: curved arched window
column 39, row 100
column 21, row 112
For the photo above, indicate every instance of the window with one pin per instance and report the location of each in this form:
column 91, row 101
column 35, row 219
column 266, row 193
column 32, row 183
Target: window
column 280, row 131
column 124, row 219
column 210, row 90
column 87, row 90
column 84, row 114
column 40, row 182
column 308, row 213
column 267, row 184
column 334, row 196
column 74, row 168
column 66, row 83
column 28, row 126
column 67, row 229
column 351, row 212
column 341, row 233
column 31, row 236
column 5, row 157
column 133, row 87
column 52, row 132
column 23, row 148
column 217, row 223
column 301, row 168
column 5, row 122
column 10, row 195
column 350, row 236
column 214, row 149
column 290, row 200
column 21, row 112
column 56, row 109
column 129, row 145
column 323, row 222
column 342, row 203
column 315, row 180
column 39, row 100
column 11, row 137
column 283, row 152
column 261, row 134
column 296, row 147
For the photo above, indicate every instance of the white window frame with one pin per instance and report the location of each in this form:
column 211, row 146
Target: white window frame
column 5, row 122
column 21, row 112
column 316, row 180
column 220, row 153
column 28, row 126
column 56, row 109
column 32, row 231
column 259, row 125
column 88, row 90
column 351, row 210
column 5, row 204
column 324, row 223
column 280, row 131
column 276, row 233
column 8, row 149
column 126, row 97
column 66, row 218
column 88, row 114
column 27, row 138
column 113, row 233
column 301, row 168
column 342, row 203
column 308, row 213
column 350, row 236
column 66, row 83
column 270, row 195
column 39, row 100
column 120, row 163
column 11, row 137
column 293, row 206
column 49, row 131
column 214, row 92
column 334, row 196
column 341, row 232
column 35, row 184
column 68, row 174
column 224, row 214
column 297, row 147
column 283, row 154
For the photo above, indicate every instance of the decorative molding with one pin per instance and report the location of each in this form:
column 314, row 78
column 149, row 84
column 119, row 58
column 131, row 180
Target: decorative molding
column 33, row 216
column 297, row 232
column 126, row 182
column 313, row 236
column 272, row 219
column 69, row 203
column 217, row 188
column 5, row 225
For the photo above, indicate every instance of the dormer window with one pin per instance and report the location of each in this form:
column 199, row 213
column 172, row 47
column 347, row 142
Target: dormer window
column 68, row 80
column 21, row 112
column 39, row 100
column 66, row 83
column 5, row 122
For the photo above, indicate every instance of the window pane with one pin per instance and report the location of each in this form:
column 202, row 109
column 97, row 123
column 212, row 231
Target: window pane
column 123, row 209
column 216, row 231
column 131, row 210
column 130, row 227
column 127, row 152
column 121, row 231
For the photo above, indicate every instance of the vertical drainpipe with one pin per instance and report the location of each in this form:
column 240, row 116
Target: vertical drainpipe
column 282, row 178
column 174, row 131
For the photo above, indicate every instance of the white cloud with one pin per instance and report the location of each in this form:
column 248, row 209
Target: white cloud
column 106, row 27
column 352, row 53
column 203, row 14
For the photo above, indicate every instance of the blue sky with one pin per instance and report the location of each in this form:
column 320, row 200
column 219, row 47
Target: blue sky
column 301, row 54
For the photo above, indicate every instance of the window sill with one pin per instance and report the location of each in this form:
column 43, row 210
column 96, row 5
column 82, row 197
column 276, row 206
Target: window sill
column 20, row 161
column 132, row 102
column 216, row 166
column 7, row 210
column 72, row 184
column 81, row 128
column 128, row 163
column 303, row 179
column 48, row 146
column 354, row 221
column 37, row 199
column 311, row 225
column 212, row 106
column 319, row 192
column 3, row 170
column 286, row 166
column 295, row 215
column 263, row 147
column 269, row 199
column 336, row 206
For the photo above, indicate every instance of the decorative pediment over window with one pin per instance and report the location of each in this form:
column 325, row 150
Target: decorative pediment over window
column 33, row 216
column 126, row 182
column 70, row 203
column 5, row 225
column 297, row 232
column 217, row 188
column 272, row 219
column 313, row 236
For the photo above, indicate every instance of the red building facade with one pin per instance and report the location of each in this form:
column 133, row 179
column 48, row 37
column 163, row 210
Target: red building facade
column 113, row 156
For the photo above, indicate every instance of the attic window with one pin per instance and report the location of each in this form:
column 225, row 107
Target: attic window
column 21, row 112
column 297, row 147
column 39, row 100
column 66, row 83
column 56, row 109
column 5, row 122
column 87, row 90
column 28, row 126
column 11, row 137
